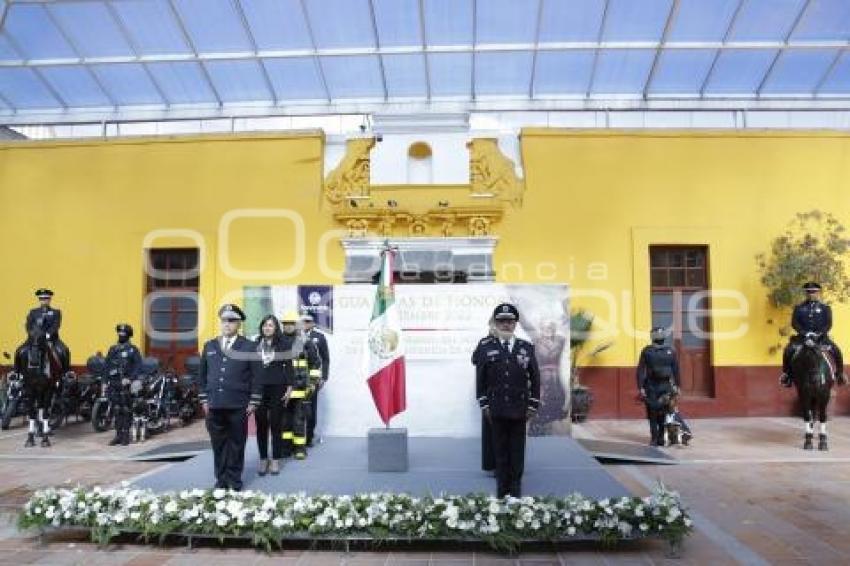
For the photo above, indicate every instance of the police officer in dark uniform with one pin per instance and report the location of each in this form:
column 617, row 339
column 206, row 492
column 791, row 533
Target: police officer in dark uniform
column 508, row 390
column 48, row 320
column 227, row 365
column 317, row 338
column 811, row 316
column 488, row 460
column 658, row 382
column 122, row 365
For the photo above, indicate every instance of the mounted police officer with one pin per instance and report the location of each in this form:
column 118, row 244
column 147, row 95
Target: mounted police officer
column 320, row 342
column 508, row 390
column 48, row 320
column 226, row 370
column 122, row 365
column 658, row 382
column 816, row 317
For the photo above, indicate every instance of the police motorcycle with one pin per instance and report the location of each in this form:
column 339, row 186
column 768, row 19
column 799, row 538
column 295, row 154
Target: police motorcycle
column 14, row 402
column 74, row 396
column 102, row 413
column 148, row 396
column 179, row 394
column 187, row 395
column 169, row 396
column 161, row 403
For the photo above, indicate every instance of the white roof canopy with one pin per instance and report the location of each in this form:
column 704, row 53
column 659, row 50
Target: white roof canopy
column 91, row 60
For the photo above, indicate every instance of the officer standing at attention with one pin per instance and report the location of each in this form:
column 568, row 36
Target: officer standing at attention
column 311, row 334
column 225, row 376
column 658, row 382
column 508, row 390
column 122, row 365
column 811, row 315
column 488, row 462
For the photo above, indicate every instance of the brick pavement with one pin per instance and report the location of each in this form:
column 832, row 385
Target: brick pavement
column 756, row 495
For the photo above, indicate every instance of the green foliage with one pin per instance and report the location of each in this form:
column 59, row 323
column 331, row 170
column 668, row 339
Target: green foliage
column 581, row 323
column 815, row 246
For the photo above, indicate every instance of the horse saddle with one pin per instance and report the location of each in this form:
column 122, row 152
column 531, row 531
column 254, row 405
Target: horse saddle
column 825, row 351
column 829, row 357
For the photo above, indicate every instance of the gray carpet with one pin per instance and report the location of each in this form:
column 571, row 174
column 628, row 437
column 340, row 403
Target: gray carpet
column 553, row 466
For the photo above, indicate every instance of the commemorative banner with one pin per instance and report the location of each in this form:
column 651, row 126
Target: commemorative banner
column 441, row 324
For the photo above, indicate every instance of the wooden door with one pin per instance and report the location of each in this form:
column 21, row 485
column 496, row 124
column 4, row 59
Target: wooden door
column 171, row 305
column 681, row 304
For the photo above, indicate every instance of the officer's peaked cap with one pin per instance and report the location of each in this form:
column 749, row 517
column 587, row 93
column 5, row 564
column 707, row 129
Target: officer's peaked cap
column 506, row 311
column 124, row 328
column 230, row 311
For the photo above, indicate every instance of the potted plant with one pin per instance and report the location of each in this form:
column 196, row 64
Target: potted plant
column 581, row 398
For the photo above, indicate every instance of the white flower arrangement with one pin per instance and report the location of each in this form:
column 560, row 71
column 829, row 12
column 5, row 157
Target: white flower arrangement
column 268, row 519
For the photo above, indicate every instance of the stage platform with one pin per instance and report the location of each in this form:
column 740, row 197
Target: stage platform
column 553, row 466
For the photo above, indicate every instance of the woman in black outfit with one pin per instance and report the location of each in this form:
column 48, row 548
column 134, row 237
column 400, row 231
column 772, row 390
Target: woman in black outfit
column 273, row 382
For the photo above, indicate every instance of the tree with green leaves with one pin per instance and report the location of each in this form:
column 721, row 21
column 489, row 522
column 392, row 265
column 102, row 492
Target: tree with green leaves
column 813, row 247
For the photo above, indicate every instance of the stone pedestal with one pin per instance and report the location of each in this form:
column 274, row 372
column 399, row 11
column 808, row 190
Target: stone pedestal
column 388, row 450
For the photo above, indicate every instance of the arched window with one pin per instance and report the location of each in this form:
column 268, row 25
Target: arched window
column 419, row 164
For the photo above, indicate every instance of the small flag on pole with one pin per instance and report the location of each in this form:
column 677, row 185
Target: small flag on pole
column 385, row 364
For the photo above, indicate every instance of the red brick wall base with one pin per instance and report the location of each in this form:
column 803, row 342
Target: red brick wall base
column 739, row 391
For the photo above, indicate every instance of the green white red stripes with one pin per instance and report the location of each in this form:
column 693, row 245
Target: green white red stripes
column 385, row 365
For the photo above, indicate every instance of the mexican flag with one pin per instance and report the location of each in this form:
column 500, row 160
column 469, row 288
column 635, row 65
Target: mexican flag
column 385, row 355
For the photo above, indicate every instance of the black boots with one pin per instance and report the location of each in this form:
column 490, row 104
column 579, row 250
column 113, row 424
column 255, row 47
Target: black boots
column 808, row 444
column 45, row 440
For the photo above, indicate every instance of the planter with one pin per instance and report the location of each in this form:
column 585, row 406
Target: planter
column 269, row 519
column 581, row 400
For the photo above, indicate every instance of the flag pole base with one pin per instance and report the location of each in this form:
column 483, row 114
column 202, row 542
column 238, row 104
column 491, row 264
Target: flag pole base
column 388, row 450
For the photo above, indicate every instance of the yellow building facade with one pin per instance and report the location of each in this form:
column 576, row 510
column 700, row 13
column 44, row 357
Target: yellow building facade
column 78, row 217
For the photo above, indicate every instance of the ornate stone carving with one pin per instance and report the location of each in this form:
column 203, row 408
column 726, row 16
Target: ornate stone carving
column 479, row 226
column 357, row 227
column 419, row 226
column 447, row 222
column 430, row 211
column 493, row 174
column 351, row 176
column 471, row 222
column 385, row 225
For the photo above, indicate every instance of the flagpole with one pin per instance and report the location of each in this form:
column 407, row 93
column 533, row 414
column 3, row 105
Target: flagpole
column 388, row 258
column 385, row 358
